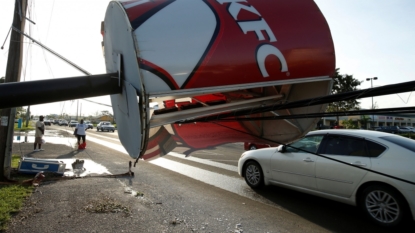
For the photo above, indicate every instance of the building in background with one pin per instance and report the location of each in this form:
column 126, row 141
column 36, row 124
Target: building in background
column 379, row 120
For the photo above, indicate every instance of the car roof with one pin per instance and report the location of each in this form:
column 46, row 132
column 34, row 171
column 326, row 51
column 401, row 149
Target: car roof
column 353, row 132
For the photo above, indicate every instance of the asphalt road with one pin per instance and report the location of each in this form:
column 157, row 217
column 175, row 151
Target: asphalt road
column 199, row 193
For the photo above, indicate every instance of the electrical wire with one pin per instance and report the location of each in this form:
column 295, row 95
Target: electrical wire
column 98, row 103
column 50, row 20
column 5, row 39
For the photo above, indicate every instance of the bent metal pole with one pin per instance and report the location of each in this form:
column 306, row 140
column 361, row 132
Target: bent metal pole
column 17, row 94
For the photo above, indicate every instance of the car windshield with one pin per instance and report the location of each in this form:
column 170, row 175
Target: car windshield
column 401, row 141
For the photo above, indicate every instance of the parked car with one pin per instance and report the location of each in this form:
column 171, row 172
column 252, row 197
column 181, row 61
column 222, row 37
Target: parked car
column 407, row 129
column 56, row 122
column 46, row 122
column 73, row 123
column 254, row 146
column 105, row 126
column 386, row 195
column 63, row 123
column 89, row 125
column 392, row 129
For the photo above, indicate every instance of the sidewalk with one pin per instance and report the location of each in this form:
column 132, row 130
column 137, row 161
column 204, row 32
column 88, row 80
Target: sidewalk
column 71, row 205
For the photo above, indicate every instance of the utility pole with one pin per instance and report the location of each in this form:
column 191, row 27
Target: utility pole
column 13, row 70
column 27, row 116
column 77, row 109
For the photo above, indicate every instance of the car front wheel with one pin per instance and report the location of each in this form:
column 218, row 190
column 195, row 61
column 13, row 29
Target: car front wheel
column 253, row 175
column 383, row 205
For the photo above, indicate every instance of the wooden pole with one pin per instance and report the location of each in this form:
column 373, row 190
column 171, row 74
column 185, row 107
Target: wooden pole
column 13, row 70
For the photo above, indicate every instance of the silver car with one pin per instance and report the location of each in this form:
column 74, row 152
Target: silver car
column 105, row 126
column 370, row 169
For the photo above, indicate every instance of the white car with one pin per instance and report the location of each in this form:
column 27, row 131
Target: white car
column 89, row 125
column 73, row 123
column 408, row 129
column 105, row 126
column 370, row 169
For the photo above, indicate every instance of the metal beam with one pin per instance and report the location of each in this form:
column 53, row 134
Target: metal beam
column 18, row 94
column 377, row 91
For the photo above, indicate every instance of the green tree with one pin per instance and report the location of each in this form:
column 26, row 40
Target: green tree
column 343, row 83
column 105, row 112
column 350, row 124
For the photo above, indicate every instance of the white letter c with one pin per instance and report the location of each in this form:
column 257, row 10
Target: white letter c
column 263, row 52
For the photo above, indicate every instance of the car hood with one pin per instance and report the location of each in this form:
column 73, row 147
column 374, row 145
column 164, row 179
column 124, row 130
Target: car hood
column 264, row 152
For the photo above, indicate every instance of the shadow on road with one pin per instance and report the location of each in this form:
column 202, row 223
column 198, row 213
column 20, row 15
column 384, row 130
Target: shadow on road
column 334, row 216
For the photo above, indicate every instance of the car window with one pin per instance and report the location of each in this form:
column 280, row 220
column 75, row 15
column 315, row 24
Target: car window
column 375, row 149
column 308, row 143
column 401, row 141
column 345, row 145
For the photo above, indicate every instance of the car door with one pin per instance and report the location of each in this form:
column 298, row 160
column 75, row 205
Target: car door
column 296, row 166
column 338, row 178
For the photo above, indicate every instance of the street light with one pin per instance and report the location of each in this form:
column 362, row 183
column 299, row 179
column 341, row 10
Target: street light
column 371, row 84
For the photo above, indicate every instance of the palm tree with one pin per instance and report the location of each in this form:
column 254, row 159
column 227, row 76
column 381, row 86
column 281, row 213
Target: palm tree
column 364, row 120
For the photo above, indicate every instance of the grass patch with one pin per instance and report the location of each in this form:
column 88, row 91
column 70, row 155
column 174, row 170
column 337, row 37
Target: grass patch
column 29, row 127
column 15, row 161
column 12, row 196
column 409, row 135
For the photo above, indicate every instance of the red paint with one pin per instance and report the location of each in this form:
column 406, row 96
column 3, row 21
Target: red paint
column 297, row 29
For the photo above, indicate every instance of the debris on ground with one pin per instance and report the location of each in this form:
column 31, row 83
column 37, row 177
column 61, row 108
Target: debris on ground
column 107, row 205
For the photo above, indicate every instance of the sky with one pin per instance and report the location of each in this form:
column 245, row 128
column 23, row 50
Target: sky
column 372, row 38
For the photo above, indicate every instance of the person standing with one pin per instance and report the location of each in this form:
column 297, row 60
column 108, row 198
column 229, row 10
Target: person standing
column 39, row 132
column 81, row 133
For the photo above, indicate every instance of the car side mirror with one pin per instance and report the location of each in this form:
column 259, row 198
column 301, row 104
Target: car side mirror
column 282, row 148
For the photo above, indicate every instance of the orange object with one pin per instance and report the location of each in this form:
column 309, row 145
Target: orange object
column 82, row 146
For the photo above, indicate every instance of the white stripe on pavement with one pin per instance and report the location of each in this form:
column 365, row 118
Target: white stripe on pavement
column 228, row 183
column 204, row 161
column 120, row 148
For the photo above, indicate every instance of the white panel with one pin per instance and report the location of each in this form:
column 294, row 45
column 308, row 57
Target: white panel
column 125, row 105
column 176, row 37
column 155, row 83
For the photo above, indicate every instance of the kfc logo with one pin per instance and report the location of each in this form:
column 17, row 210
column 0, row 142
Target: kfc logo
column 259, row 27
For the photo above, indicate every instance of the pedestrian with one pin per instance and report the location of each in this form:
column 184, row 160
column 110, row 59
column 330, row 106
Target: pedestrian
column 81, row 133
column 39, row 132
